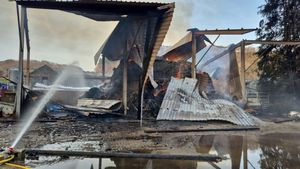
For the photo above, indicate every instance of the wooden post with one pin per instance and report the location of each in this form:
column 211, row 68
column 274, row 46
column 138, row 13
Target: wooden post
column 194, row 48
column 103, row 65
column 19, row 93
column 242, row 70
column 125, row 79
column 142, row 104
column 200, row 130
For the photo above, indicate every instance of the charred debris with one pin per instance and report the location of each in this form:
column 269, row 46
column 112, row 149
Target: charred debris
column 187, row 81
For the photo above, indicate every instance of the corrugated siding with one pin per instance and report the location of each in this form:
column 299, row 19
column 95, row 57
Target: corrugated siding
column 181, row 103
column 92, row 103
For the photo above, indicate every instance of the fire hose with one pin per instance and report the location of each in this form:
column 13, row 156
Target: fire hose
column 6, row 160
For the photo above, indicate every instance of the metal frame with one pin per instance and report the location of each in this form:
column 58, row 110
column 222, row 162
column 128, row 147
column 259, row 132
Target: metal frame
column 195, row 32
column 27, row 80
column 243, row 45
column 19, row 92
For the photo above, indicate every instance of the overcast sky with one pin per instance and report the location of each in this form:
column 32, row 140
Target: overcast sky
column 63, row 37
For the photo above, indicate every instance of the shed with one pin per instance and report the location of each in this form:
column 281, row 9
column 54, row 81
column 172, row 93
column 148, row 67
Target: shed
column 143, row 22
column 44, row 75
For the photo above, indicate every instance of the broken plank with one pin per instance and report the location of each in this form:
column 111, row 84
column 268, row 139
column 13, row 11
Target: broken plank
column 16, row 120
column 286, row 120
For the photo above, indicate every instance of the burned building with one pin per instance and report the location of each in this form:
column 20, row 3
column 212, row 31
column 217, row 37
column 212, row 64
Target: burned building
column 136, row 39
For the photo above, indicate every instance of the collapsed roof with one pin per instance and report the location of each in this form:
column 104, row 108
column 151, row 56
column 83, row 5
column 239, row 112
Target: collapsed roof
column 182, row 103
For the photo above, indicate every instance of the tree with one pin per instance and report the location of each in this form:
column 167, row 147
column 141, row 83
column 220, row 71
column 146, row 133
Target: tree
column 281, row 21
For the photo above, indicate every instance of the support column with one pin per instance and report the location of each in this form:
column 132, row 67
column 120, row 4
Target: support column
column 28, row 68
column 242, row 70
column 19, row 92
column 27, row 81
column 194, row 48
column 125, row 80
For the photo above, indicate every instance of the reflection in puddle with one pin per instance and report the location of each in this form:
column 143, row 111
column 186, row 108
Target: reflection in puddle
column 267, row 151
column 74, row 146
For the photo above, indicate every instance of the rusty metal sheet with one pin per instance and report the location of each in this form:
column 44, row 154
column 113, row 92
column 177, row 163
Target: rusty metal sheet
column 181, row 103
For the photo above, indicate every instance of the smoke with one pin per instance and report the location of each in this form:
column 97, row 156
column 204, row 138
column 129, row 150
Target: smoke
column 182, row 20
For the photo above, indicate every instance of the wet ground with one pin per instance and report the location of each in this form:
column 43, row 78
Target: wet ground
column 273, row 146
column 266, row 151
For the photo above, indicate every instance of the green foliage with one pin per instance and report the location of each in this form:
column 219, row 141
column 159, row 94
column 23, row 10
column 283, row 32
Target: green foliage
column 281, row 22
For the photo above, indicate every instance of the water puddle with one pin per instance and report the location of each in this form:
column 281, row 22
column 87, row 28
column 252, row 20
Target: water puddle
column 75, row 146
column 266, row 151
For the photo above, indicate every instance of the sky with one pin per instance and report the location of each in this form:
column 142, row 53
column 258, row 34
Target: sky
column 62, row 37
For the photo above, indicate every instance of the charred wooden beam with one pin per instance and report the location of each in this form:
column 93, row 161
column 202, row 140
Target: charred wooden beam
column 242, row 69
column 200, row 130
column 14, row 120
column 194, row 51
column 271, row 42
column 125, row 83
column 224, row 31
column 198, row 157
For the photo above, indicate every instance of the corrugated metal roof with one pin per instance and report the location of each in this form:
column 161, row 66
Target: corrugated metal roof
column 100, row 10
column 112, row 2
column 163, row 29
column 181, row 103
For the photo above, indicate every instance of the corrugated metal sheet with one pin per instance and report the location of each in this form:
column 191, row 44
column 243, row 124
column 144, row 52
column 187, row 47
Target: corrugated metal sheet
column 115, row 2
column 102, row 104
column 164, row 27
column 181, row 103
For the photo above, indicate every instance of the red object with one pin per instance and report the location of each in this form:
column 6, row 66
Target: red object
column 11, row 149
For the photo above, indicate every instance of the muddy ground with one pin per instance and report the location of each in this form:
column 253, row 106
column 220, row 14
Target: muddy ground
column 126, row 135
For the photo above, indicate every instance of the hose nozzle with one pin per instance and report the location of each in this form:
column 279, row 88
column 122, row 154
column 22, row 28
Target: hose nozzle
column 7, row 151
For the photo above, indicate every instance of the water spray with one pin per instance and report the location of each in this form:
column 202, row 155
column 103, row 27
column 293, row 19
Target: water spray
column 8, row 154
column 40, row 106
